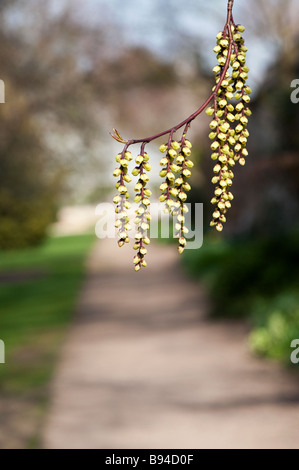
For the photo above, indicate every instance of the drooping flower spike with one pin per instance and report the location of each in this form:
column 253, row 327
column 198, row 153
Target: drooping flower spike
column 228, row 108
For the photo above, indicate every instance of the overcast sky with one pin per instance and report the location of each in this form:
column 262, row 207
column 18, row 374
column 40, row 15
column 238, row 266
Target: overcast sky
column 159, row 25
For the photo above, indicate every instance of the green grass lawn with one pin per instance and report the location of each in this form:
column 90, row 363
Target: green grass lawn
column 38, row 293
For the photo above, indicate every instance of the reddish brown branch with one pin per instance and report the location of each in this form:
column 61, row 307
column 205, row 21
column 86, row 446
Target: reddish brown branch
column 188, row 120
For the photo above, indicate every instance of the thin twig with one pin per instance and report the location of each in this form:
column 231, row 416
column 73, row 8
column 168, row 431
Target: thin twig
column 188, row 120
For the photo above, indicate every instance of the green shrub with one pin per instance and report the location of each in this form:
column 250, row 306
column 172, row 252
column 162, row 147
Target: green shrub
column 258, row 280
column 276, row 324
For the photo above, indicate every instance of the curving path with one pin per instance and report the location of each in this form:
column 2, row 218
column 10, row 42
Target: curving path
column 142, row 367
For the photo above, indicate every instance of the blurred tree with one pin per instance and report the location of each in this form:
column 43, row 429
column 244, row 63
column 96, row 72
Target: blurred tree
column 27, row 191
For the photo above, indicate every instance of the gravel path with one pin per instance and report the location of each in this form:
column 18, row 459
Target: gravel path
column 142, row 367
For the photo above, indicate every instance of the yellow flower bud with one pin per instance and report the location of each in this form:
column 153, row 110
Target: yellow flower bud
column 186, row 187
column 210, row 111
column 175, row 168
column 182, row 196
column 174, row 192
column 117, row 172
column 179, row 181
column 144, row 177
column 135, row 172
column 127, row 178
column 189, row 164
column 172, row 153
column 138, row 187
column 186, row 151
column 128, row 156
column 144, row 226
column 122, row 189
column 180, row 159
column 147, row 166
column 139, row 159
column 237, row 37
column 222, row 103
column 215, row 145
column 170, row 176
column 186, row 173
column 124, row 162
column 213, row 124
column 224, row 43
column 163, row 186
column 216, row 69
column 116, row 199
column 175, row 145
column 136, row 259
column 246, row 98
column 163, row 148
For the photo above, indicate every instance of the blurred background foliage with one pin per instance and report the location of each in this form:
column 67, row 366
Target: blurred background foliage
column 73, row 70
